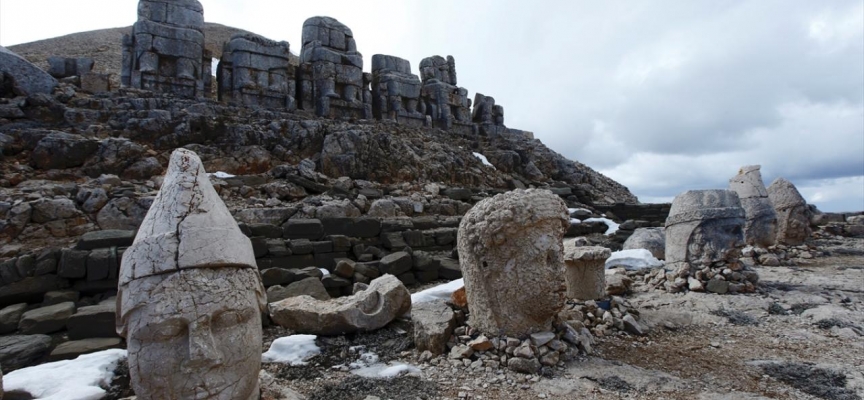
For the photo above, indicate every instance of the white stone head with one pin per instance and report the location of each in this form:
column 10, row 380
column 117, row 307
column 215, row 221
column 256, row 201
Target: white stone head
column 190, row 298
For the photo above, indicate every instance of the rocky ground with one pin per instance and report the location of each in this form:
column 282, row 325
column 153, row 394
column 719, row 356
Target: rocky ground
column 798, row 337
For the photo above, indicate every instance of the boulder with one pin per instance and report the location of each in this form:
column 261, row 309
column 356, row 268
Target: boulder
column 18, row 351
column 396, row 264
column 46, row 319
column 651, row 239
column 27, row 78
column 433, row 324
column 62, row 150
column 385, row 299
column 793, row 215
column 511, row 253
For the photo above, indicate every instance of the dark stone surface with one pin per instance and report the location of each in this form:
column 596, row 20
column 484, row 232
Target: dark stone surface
column 30, row 290
column 105, row 238
column 93, row 322
column 73, row 264
column 20, row 351
column 396, row 264
column 311, row 229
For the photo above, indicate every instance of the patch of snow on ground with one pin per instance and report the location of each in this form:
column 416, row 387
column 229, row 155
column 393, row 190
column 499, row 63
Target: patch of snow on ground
column 573, row 210
column 612, row 227
column 393, row 370
column 365, row 360
column 633, row 259
column 78, row 379
column 574, row 221
column 222, row 175
column 324, row 271
column 292, row 350
column 484, row 160
column 440, row 292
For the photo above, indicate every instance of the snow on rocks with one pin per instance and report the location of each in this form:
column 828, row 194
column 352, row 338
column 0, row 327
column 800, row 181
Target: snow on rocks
column 633, row 259
column 484, row 160
column 612, row 227
column 440, row 292
column 78, row 379
column 292, row 350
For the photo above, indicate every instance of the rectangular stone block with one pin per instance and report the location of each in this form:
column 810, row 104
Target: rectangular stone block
column 73, row 264
column 100, row 263
column 311, row 229
column 293, row 262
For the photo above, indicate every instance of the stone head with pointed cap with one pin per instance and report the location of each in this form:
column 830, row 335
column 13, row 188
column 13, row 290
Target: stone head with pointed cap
column 190, row 297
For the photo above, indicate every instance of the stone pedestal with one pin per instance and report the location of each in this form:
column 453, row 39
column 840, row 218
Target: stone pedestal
column 585, row 271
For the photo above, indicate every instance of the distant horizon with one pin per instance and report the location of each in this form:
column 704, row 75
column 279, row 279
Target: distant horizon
column 660, row 99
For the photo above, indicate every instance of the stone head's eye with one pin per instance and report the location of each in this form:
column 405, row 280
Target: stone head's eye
column 161, row 331
column 230, row 319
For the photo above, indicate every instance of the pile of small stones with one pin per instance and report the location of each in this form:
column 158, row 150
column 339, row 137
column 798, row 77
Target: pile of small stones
column 604, row 317
column 779, row 254
column 470, row 349
column 720, row 277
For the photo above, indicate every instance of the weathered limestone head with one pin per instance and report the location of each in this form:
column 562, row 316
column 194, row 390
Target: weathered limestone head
column 187, row 14
column 511, row 254
column 704, row 227
column 437, row 68
column 761, row 220
column 383, row 64
column 793, row 215
column 190, row 298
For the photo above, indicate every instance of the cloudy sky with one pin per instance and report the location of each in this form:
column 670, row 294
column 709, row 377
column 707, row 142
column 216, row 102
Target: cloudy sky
column 662, row 96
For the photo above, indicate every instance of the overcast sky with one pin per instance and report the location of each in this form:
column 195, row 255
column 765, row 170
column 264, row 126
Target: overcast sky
column 661, row 96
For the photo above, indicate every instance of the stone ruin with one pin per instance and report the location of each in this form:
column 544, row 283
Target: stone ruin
column 331, row 71
column 396, row 91
column 22, row 77
column 446, row 103
column 704, row 238
column 165, row 52
column 761, row 220
column 793, row 215
column 190, row 297
column 516, row 231
column 256, row 71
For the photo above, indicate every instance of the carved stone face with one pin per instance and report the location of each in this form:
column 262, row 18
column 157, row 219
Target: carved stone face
column 716, row 240
column 195, row 334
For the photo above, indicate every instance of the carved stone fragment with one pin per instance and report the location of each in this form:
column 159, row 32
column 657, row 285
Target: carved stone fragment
column 190, row 297
column 793, row 215
column 761, row 220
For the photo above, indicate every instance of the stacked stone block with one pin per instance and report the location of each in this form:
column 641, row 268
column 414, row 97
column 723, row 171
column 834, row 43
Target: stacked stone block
column 396, row 91
column 332, row 68
column 446, row 103
column 255, row 71
column 165, row 52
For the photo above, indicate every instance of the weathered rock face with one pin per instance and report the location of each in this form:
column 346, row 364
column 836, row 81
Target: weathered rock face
column 445, row 102
column 396, row 91
column 704, row 227
column 433, row 325
column 165, row 52
column 651, row 239
column 190, row 296
column 256, row 71
column 486, row 111
column 793, row 215
column 331, row 71
column 373, row 308
column 26, row 78
column 585, row 271
column 511, row 254
column 761, row 220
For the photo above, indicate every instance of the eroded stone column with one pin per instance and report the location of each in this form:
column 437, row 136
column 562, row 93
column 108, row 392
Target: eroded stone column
column 793, row 216
column 190, row 297
column 585, row 271
column 511, row 255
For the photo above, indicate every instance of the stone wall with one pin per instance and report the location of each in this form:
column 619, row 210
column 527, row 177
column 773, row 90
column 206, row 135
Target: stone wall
column 654, row 213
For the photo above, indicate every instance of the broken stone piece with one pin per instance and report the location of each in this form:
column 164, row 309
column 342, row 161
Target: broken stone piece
column 385, row 299
column 511, row 254
column 793, row 215
column 704, row 227
column 190, row 297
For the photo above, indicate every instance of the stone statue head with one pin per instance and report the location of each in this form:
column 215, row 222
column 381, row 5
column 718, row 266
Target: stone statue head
column 761, row 220
column 190, row 298
column 704, row 227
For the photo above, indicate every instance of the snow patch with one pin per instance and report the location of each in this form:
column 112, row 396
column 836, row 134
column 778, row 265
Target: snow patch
column 440, row 292
column 484, row 160
column 393, row 370
column 633, row 259
column 574, row 221
column 222, row 175
column 324, row 271
column 78, row 379
column 612, row 227
column 292, row 350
